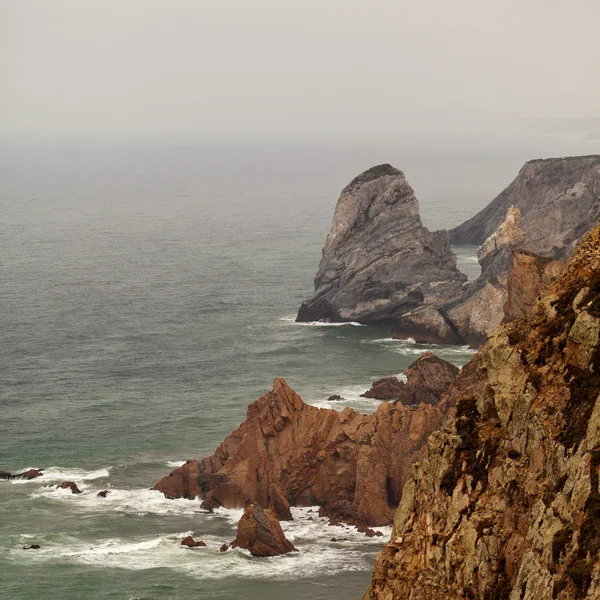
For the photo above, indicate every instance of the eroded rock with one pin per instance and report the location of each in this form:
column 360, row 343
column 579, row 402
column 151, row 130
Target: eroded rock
column 259, row 532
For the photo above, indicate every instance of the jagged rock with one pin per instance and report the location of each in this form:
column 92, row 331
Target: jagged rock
column 190, row 542
column 384, row 389
column 336, row 398
column 102, row 494
column 427, row 379
column 69, row 485
column 314, row 456
column 279, row 504
column 224, row 548
column 379, row 262
column 260, row 532
column 505, row 503
column 30, row 474
column 529, row 274
column 559, row 201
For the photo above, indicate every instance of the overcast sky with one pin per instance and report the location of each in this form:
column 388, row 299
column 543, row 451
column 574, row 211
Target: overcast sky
column 288, row 68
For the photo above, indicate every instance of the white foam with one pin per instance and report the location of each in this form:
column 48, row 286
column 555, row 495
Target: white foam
column 293, row 321
column 59, row 474
column 310, row 534
column 174, row 464
column 392, row 341
column 137, row 502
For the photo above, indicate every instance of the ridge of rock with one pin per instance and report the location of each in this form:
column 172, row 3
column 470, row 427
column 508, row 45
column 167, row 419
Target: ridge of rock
column 506, row 502
column 559, row 201
column 379, row 261
column 291, row 453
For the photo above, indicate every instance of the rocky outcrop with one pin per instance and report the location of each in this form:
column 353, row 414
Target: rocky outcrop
column 379, row 261
column 190, row 542
column 427, row 379
column 29, row 474
column 529, row 274
column 260, row 532
column 386, row 388
column 69, row 485
column 290, row 453
column 506, row 501
column 559, row 201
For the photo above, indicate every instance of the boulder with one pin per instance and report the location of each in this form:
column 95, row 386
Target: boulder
column 69, row 485
column 336, row 398
column 259, row 532
column 384, row 389
column 289, row 450
column 427, row 379
column 379, row 261
column 191, row 543
column 224, row 548
column 32, row 547
column 103, row 494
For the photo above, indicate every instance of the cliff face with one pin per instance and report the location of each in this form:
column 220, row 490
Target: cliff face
column 505, row 504
column 290, row 453
column 379, row 261
column 559, row 201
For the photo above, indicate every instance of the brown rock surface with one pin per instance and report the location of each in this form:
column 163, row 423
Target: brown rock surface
column 505, row 504
column 427, row 379
column 260, row 532
column 384, row 389
column 190, row 542
column 313, row 456
column 69, row 485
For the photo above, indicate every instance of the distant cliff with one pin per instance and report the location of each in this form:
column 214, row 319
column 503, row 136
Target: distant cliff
column 559, row 201
column 505, row 505
column 379, row 261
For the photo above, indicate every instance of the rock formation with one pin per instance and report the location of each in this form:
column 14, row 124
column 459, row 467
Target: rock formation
column 379, row 261
column 559, row 201
column 427, row 379
column 30, row 474
column 260, row 532
column 190, row 542
column 290, row 453
column 506, row 502
column 69, row 485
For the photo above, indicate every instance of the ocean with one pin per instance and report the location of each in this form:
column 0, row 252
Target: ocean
column 148, row 295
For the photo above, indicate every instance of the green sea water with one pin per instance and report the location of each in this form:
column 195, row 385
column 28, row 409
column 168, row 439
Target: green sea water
column 147, row 297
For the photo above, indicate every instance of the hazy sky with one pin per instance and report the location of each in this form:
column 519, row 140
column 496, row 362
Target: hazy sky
column 287, row 68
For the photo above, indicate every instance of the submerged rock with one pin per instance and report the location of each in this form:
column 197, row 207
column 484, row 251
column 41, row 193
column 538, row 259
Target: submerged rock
column 506, row 501
column 29, row 474
column 32, row 547
column 379, row 261
column 287, row 450
column 260, row 532
column 336, row 398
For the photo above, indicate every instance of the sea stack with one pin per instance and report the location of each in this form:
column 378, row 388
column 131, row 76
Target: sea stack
column 379, row 261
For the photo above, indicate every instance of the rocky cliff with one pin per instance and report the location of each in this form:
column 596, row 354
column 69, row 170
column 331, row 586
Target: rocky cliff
column 505, row 504
column 290, row 453
column 559, row 201
column 379, row 261
column 544, row 213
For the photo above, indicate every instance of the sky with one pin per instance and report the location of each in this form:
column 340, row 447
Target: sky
column 287, row 69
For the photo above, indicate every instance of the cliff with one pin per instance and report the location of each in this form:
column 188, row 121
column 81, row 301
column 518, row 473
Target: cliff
column 544, row 213
column 559, row 201
column 505, row 504
column 379, row 261
column 290, row 453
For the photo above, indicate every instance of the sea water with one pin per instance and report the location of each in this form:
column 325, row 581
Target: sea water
column 148, row 295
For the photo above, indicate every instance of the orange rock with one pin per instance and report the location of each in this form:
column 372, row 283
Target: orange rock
column 290, row 452
column 260, row 532
column 190, row 542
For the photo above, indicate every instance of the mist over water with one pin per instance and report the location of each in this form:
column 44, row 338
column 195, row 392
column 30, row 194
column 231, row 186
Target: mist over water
column 148, row 296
